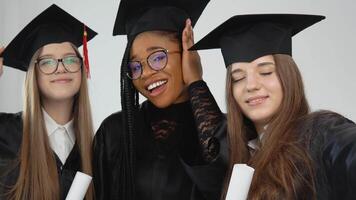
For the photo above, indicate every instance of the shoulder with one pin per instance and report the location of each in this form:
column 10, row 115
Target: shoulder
column 111, row 129
column 112, row 119
column 10, row 133
column 328, row 118
column 108, row 137
column 10, row 118
column 329, row 122
column 9, row 123
column 327, row 128
column 110, row 125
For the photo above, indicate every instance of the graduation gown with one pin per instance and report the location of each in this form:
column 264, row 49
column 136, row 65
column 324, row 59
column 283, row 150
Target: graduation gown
column 10, row 143
column 169, row 162
column 331, row 141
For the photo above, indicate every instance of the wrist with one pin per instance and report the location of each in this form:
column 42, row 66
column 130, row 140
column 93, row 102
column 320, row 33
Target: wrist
column 193, row 80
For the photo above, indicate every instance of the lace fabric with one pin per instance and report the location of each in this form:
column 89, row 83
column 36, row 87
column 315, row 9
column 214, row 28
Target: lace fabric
column 208, row 116
column 163, row 128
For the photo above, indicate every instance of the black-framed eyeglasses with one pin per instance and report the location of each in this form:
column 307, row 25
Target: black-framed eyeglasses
column 157, row 61
column 49, row 66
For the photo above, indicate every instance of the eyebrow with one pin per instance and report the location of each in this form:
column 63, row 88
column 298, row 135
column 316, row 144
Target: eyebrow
column 149, row 49
column 264, row 64
column 51, row 55
column 236, row 71
column 258, row 65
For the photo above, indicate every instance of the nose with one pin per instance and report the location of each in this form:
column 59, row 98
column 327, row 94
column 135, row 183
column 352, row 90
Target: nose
column 146, row 70
column 253, row 82
column 60, row 68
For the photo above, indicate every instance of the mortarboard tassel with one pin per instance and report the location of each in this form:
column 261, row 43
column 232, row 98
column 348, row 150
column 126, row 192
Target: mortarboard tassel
column 85, row 52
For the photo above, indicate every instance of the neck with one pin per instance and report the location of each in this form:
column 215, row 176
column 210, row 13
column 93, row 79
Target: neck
column 183, row 97
column 60, row 111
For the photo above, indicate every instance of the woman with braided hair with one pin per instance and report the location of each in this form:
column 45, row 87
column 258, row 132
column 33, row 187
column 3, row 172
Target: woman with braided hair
column 172, row 146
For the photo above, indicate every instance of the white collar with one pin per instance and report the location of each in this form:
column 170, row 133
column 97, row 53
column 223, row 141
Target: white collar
column 253, row 144
column 52, row 126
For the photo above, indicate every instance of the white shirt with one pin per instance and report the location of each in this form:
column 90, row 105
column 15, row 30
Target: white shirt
column 61, row 137
column 254, row 143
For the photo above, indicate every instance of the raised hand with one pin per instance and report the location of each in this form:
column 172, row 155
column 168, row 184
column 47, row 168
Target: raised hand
column 191, row 66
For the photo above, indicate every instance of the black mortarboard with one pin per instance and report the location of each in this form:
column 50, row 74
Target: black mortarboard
column 244, row 38
column 53, row 25
column 136, row 16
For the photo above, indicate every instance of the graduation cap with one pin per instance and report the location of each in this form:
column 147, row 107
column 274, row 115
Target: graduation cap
column 136, row 16
column 244, row 38
column 53, row 25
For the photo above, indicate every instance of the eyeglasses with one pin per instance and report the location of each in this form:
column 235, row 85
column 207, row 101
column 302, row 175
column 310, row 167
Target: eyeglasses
column 157, row 61
column 49, row 66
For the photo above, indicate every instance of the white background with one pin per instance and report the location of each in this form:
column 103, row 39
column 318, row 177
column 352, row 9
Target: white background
column 325, row 52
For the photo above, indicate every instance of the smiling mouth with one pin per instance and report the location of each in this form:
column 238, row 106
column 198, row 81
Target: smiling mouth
column 156, row 87
column 61, row 81
column 256, row 101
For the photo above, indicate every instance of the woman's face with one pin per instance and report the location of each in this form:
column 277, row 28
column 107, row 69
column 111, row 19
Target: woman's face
column 164, row 87
column 256, row 89
column 60, row 85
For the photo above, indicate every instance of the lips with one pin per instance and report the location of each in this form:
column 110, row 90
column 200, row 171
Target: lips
column 156, row 84
column 61, row 80
column 156, row 87
column 257, row 100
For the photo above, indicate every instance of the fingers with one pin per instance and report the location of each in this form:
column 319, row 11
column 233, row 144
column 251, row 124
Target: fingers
column 187, row 36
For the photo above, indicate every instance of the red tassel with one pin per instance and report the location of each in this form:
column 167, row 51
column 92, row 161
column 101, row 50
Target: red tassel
column 85, row 52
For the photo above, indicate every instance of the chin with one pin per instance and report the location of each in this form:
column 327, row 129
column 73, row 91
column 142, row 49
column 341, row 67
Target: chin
column 260, row 117
column 161, row 104
column 61, row 96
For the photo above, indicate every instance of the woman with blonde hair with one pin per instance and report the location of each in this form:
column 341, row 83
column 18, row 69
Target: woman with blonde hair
column 296, row 154
column 44, row 146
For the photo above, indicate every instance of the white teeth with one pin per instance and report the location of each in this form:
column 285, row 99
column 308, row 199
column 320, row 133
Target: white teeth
column 155, row 84
column 255, row 101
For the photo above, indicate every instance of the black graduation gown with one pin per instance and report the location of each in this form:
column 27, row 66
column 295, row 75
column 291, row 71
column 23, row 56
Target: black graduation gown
column 10, row 142
column 332, row 147
column 165, row 169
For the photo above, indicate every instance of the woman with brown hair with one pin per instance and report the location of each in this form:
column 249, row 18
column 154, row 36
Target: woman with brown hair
column 44, row 146
column 296, row 154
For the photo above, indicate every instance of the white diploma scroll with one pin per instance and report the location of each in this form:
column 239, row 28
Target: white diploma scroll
column 240, row 182
column 79, row 187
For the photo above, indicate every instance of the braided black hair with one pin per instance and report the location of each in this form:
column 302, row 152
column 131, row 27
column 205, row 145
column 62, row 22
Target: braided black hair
column 130, row 107
column 129, row 104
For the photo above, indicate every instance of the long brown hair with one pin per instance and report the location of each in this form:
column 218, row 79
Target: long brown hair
column 38, row 178
column 283, row 167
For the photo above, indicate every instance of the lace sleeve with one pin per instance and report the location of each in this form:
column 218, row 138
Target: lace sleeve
column 208, row 118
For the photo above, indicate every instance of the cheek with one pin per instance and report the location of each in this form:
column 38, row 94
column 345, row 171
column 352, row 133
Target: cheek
column 78, row 81
column 276, row 87
column 139, row 86
column 237, row 94
column 42, row 82
column 177, row 76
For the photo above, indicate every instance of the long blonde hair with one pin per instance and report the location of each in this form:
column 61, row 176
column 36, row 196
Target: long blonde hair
column 38, row 178
column 283, row 167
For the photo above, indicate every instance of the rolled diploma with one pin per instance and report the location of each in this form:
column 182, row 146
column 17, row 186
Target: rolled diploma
column 79, row 186
column 240, row 182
